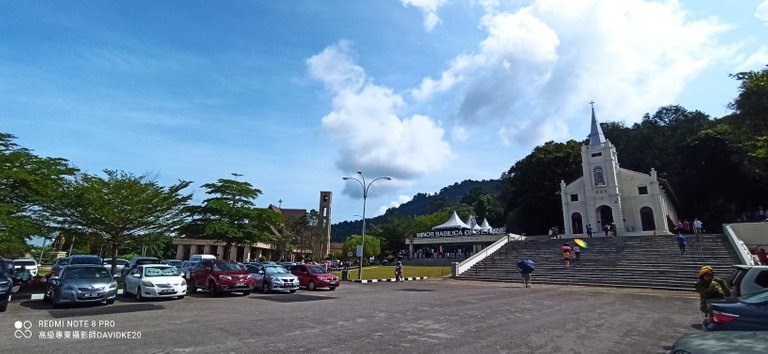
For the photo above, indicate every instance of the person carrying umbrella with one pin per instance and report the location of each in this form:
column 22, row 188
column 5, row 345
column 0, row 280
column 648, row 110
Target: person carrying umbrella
column 526, row 267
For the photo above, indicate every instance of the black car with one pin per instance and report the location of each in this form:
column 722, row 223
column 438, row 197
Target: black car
column 745, row 313
column 136, row 261
column 6, row 282
column 74, row 259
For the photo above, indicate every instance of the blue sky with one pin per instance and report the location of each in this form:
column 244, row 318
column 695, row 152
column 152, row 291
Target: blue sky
column 295, row 95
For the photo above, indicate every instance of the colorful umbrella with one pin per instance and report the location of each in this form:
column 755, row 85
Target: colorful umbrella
column 581, row 243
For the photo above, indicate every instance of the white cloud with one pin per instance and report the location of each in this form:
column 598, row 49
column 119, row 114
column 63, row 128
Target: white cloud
column 756, row 61
column 762, row 11
column 401, row 199
column 429, row 9
column 365, row 118
column 540, row 65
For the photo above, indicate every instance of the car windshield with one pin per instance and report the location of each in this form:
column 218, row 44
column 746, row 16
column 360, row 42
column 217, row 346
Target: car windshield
column 317, row 270
column 119, row 261
column 755, row 298
column 160, row 272
column 252, row 268
column 26, row 262
column 275, row 269
column 226, row 267
column 85, row 260
column 85, row 272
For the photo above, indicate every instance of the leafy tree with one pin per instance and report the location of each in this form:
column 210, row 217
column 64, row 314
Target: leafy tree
column 484, row 205
column 27, row 182
column 371, row 248
column 229, row 215
column 530, row 187
column 120, row 208
column 284, row 241
column 394, row 232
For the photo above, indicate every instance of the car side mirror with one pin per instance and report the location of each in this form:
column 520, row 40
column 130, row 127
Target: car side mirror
column 136, row 275
column 261, row 272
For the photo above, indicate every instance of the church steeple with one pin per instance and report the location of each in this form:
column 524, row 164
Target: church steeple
column 596, row 136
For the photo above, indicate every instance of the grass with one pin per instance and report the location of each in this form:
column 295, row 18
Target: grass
column 384, row 272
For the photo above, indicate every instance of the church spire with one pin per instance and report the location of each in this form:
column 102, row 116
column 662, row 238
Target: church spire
column 596, row 137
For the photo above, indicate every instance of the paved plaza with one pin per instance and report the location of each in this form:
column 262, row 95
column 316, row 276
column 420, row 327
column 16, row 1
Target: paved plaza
column 428, row 316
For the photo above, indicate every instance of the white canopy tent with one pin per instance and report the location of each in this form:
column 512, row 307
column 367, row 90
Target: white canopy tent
column 485, row 226
column 453, row 223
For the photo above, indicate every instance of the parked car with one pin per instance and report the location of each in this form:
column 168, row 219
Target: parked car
column 745, row 313
column 743, row 342
column 274, row 277
column 219, row 276
column 136, row 261
column 201, row 257
column 256, row 272
column 81, row 283
column 74, row 259
column 6, row 283
column 173, row 262
column 120, row 264
column 155, row 280
column 56, row 267
column 314, row 276
column 186, row 268
column 28, row 263
column 747, row 279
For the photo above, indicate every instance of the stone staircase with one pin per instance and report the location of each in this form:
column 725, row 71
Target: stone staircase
column 632, row 261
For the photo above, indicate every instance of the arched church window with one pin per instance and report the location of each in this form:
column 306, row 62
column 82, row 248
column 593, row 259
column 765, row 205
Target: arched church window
column 599, row 178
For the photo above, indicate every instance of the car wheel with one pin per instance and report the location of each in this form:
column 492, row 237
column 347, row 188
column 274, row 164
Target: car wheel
column 3, row 307
column 125, row 290
column 139, row 297
column 180, row 297
column 267, row 287
column 311, row 286
column 192, row 287
column 110, row 302
column 212, row 288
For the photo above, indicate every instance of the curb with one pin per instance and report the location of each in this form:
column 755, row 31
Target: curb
column 387, row 280
column 39, row 296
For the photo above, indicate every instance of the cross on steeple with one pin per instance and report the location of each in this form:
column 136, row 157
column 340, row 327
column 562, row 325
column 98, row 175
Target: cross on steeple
column 592, row 103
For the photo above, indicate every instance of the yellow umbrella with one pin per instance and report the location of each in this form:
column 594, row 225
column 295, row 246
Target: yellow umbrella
column 581, row 243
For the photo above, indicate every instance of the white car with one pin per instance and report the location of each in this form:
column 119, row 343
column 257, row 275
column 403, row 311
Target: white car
column 155, row 280
column 118, row 267
column 28, row 263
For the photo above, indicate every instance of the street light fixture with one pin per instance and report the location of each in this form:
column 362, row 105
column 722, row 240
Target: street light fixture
column 365, row 186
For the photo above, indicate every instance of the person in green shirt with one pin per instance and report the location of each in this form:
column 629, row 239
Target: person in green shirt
column 710, row 287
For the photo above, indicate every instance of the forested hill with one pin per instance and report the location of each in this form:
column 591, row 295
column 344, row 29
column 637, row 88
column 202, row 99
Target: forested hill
column 421, row 204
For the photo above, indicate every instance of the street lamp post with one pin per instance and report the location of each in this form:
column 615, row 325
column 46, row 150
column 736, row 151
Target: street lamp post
column 365, row 186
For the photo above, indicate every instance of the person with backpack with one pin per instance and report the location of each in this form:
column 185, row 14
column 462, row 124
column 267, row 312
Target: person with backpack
column 566, row 254
column 526, row 267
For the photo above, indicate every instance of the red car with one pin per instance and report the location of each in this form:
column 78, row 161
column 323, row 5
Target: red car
column 313, row 277
column 219, row 276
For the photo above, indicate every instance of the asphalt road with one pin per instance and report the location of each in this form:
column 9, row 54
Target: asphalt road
column 428, row 316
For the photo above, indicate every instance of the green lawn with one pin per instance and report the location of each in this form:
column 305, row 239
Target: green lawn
column 383, row 272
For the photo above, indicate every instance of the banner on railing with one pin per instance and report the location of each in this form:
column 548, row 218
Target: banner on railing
column 453, row 233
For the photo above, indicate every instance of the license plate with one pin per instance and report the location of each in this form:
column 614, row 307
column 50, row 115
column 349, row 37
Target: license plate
column 288, row 284
column 167, row 291
column 240, row 284
column 332, row 282
column 90, row 294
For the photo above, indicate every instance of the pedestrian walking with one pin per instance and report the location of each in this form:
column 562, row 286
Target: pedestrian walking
column 526, row 267
column 681, row 243
column 697, row 226
column 399, row 271
column 566, row 254
column 613, row 229
column 577, row 252
column 709, row 287
column 606, row 228
column 589, row 230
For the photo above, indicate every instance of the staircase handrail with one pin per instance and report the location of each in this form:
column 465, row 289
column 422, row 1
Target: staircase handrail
column 458, row 268
column 742, row 251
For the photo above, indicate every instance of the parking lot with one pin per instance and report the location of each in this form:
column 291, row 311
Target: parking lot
column 435, row 315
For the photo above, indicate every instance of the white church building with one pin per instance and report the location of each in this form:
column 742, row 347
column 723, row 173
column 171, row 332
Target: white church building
column 637, row 203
